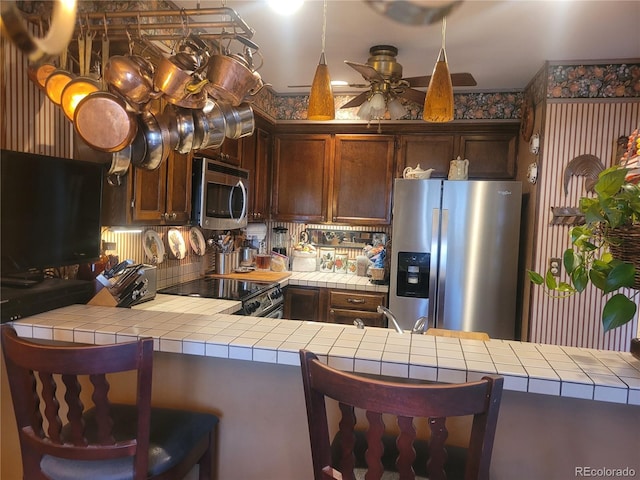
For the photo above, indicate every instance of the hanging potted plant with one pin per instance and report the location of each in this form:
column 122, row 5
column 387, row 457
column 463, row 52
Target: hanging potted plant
column 605, row 251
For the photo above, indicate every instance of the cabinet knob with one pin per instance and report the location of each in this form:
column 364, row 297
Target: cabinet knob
column 174, row 215
column 163, row 216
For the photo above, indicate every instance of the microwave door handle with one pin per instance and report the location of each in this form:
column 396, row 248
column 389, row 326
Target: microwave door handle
column 244, row 202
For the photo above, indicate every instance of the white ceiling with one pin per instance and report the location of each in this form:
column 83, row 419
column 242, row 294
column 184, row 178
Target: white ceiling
column 502, row 43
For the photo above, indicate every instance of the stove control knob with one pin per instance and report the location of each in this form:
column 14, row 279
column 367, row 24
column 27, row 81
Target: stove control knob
column 277, row 293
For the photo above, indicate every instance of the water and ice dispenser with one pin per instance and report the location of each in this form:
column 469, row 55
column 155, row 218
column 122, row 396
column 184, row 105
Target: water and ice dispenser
column 413, row 274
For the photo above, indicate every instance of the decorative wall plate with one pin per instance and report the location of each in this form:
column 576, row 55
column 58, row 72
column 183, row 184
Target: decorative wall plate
column 175, row 242
column 153, row 247
column 196, row 240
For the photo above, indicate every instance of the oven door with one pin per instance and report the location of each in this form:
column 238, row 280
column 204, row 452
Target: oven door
column 277, row 312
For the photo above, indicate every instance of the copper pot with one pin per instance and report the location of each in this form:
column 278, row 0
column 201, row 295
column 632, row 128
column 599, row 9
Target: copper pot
column 231, row 80
column 131, row 77
column 103, row 121
column 175, row 83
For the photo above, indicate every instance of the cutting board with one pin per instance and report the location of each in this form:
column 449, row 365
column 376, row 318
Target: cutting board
column 256, row 276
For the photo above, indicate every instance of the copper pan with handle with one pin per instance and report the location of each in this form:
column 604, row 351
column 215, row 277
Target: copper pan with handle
column 104, row 121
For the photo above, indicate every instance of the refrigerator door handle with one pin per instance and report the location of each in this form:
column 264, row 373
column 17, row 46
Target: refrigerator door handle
column 433, row 264
column 442, row 267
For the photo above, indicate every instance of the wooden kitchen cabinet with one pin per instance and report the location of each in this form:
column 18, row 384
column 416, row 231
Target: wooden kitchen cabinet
column 491, row 156
column 344, row 306
column 363, row 179
column 256, row 157
column 429, row 151
column 152, row 197
column 333, row 178
column 301, row 178
column 491, row 151
column 304, row 303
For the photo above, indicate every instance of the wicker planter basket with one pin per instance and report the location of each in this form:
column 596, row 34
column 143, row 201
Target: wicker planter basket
column 625, row 246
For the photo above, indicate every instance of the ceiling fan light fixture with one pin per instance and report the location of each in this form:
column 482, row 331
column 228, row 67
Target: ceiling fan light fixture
column 396, row 109
column 378, row 104
column 364, row 112
column 321, row 104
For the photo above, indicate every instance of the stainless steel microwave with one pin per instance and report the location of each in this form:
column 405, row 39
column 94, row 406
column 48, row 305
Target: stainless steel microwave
column 220, row 195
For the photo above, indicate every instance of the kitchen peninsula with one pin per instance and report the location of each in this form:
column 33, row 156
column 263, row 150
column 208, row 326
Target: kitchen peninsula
column 563, row 407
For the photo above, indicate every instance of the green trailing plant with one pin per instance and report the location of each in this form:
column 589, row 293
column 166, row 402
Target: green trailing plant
column 616, row 205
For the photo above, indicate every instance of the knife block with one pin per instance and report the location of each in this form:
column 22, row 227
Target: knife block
column 103, row 299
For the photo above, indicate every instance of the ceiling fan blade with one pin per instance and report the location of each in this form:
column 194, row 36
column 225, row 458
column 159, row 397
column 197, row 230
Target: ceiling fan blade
column 419, row 81
column 356, row 101
column 367, row 71
column 463, row 80
column 415, row 96
column 457, row 80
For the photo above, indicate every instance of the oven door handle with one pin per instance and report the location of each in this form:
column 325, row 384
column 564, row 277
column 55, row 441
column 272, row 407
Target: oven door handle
column 244, row 202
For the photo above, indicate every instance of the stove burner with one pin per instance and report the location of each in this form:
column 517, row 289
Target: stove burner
column 257, row 298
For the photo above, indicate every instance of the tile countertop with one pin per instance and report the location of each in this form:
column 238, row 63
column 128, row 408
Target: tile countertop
column 198, row 326
column 333, row 280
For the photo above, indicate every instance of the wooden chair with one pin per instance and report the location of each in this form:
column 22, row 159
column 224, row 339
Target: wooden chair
column 106, row 441
column 405, row 401
column 443, row 332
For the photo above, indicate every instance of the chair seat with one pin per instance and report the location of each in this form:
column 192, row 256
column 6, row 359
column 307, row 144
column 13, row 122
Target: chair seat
column 172, row 434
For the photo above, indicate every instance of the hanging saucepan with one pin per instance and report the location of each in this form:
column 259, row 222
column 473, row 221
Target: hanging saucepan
column 231, row 79
column 38, row 74
column 210, row 126
column 157, row 141
column 181, row 120
column 131, row 77
column 175, row 83
column 239, row 121
column 103, row 121
column 120, row 162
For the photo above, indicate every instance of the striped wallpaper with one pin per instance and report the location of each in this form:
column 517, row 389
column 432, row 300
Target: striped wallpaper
column 572, row 129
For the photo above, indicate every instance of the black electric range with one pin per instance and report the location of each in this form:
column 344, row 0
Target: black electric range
column 259, row 299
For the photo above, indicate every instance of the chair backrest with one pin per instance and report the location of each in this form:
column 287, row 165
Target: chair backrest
column 406, row 401
column 43, row 377
column 443, row 332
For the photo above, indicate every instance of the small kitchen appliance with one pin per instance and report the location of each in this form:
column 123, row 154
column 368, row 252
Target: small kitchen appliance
column 280, row 240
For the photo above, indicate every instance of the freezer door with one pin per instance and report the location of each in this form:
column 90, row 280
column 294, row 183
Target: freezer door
column 479, row 257
column 414, row 249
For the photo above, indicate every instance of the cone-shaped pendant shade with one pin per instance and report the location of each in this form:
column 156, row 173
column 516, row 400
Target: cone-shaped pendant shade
column 321, row 104
column 438, row 104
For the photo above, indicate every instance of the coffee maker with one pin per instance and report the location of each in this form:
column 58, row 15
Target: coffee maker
column 280, row 240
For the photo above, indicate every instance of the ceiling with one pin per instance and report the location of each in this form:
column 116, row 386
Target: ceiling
column 502, row 43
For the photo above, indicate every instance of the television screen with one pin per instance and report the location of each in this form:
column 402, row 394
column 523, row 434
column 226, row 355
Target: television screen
column 50, row 212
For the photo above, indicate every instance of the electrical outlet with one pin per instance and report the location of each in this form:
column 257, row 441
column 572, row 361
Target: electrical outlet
column 555, row 264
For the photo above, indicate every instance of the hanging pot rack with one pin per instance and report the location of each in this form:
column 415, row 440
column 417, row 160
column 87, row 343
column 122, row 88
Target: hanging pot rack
column 225, row 24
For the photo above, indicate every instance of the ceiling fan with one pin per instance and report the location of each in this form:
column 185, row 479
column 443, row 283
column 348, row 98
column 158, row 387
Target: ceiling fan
column 384, row 75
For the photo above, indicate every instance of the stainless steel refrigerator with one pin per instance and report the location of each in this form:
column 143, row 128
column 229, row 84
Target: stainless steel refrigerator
column 454, row 254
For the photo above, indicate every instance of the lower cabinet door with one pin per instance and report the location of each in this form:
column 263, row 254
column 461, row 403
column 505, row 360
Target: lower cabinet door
column 302, row 304
column 370, row 319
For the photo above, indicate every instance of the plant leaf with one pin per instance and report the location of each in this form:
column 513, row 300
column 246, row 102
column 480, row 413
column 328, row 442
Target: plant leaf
column 571, row 261
column 579, row 278
column 617, row 311
column 550, row 281
column 535, row 277
column 622, row 275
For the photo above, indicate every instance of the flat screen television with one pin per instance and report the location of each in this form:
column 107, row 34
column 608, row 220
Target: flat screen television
column 50, row 212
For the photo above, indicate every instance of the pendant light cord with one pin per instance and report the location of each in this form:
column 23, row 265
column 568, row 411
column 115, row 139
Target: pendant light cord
column 444, row 30
column 324, row 23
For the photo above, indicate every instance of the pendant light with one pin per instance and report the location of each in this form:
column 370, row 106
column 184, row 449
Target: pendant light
column 321, row 103
column 438, row 104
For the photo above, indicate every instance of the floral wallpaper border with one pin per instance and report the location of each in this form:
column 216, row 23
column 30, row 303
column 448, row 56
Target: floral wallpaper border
column 562, row 81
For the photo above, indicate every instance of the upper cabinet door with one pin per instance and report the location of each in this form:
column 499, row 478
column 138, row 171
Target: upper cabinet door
column 428, row 151
column 491, row 155
column 302, row 169
column 363, row 179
